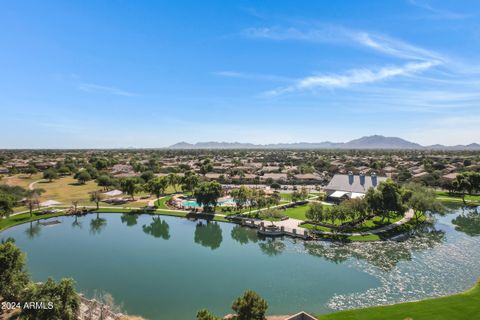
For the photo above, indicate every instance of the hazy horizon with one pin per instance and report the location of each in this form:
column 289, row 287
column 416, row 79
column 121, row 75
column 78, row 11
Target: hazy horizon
column 118, row 75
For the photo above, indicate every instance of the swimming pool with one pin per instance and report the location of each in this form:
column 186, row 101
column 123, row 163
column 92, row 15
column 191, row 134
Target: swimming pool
column 189, row 203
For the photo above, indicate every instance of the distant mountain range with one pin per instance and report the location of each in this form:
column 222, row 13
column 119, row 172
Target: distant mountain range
column 369, row 142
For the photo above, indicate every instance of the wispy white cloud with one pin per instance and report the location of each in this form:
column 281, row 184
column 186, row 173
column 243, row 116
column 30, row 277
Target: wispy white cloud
column 325, row 34
column 426, row 81
column 253, row 76
column 339, row 35
column 394, row 47
column 354, row 77
column 90, row 87
column 438, row 13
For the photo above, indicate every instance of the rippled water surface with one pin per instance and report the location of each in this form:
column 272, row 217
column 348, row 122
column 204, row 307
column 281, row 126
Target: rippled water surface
column 168, row 268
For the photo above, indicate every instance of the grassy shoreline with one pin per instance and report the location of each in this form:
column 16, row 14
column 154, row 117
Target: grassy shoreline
column 464, row 305
column 22, row 218
column 446, row 196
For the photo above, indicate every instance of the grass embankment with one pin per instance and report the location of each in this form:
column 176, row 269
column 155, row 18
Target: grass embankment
column 460, row 306
column 25, row 217
column 457, row 197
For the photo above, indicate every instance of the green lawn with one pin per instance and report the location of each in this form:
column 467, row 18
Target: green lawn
column 25, row 217
column 286, row 196
column 162, row 203
column 455, row 307
column 297, row 212
column 456, row 197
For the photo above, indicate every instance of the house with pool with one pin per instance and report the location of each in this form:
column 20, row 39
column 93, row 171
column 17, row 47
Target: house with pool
column 351, row 186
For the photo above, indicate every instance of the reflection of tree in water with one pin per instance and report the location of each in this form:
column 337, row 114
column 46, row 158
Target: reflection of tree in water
column 208, row 234
column 272, row 247
column 130, row 219
column 244, row 235
column 76, row 223
column 468, row 222
column 158, row 228
column 97, row 225
column 33, row 230
column 382, row 254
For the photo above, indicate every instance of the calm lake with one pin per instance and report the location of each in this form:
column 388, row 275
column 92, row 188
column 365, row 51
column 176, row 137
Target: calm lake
column 168, row 268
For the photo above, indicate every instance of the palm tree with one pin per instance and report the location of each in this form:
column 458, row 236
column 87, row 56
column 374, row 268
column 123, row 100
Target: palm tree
column 96, row 197
column 157, row 186
column 75, row 205
column 173, row 180
column 33, row 199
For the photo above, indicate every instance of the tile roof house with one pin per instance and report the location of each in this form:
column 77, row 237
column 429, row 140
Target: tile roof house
column 450, row 176
column 274, row 176
column 309, row 177
column 351, row 186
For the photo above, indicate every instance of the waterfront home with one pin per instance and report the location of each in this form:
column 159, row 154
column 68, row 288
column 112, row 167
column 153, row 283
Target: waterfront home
column 343, row 186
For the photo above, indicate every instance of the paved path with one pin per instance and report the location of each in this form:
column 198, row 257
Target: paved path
column 288, row 224
column 322, row 202
column 30, row 186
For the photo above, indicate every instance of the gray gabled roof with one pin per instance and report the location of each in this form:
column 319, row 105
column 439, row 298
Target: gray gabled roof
column 353, row 183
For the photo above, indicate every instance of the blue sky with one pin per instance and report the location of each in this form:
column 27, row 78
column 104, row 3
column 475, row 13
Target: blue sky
column 80, row 74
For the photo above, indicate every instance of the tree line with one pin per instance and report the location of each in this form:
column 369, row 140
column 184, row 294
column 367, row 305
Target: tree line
column 388, row 200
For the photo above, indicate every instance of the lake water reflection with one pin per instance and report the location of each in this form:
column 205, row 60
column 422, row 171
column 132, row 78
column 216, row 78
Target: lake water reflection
column 168, row 268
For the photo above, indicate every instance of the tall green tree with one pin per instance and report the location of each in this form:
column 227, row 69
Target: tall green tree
column 467, row 183
column 97, row 197
column 157, row 186
column 33, row 199
column 31, row 170
column 105, row 181
column 13, row 277
column 421, row 199
column 62, row 296
column 207, row 194
column 7, row 203
column 83, row 176
column 190, row 181
column 385, row 199
column 316, row 213
column 50, row 174
column 130, row 186
column 250, row 306
column 240, row 196
column 174, row 180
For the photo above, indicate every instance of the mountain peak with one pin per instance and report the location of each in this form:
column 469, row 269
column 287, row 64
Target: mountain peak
column 367, row 142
